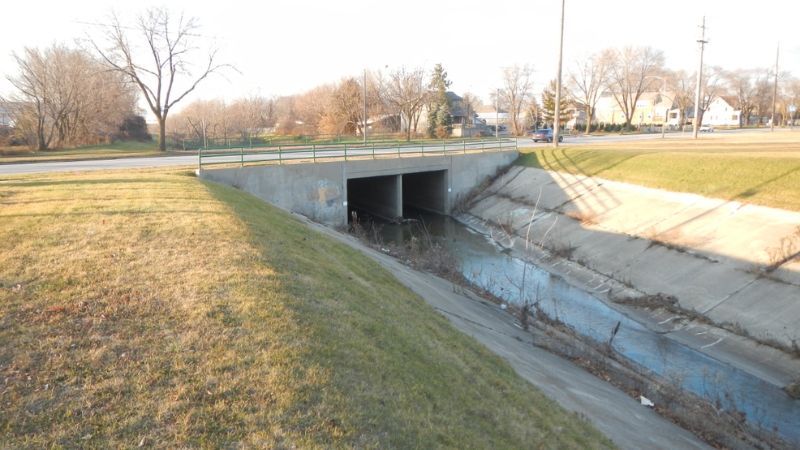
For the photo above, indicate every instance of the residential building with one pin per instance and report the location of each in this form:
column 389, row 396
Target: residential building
column 652, row 108
column 722, row 113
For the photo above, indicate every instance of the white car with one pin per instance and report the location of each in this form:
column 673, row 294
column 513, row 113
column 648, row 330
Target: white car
column 706, row 129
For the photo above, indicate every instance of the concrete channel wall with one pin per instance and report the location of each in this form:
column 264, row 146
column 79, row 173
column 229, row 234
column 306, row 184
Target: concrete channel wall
column 708, row 254
column 685, row 287
column 320, row 191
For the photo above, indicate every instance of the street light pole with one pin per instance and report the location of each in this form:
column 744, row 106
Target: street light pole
column 702, row 41
column 557, row 118
column 775, row 90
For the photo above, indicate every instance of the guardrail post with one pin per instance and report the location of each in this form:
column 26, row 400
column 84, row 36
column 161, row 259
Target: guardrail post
column 444, row 147
column 398, row 149
column 345, row 151
column 200, row 159
column 280, row 155
column 242, row 155
column 314, row 152
column 373, row 150
column 465, row 146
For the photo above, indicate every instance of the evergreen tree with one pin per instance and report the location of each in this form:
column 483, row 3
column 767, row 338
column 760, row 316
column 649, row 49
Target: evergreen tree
column 549, row 105
column 440, row 122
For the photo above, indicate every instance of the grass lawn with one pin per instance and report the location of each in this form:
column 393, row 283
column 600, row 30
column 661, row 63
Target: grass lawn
column 115, row 150
column 759, row 168
column 152, row 308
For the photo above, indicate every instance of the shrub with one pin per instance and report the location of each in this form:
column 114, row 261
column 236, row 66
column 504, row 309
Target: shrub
column 134, row 128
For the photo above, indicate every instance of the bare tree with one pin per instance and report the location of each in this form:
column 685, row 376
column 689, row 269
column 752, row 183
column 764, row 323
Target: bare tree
column 792, row 96
column 162, row 68
column 251, row 115
column 631, row 74
column 763, row 94
column 406, row 91
column 713, row 88
column 588, row 81
column 682, row 84
column 311, row 111
column 516, row 92
column 64, row 97
column 34, row 92
column 742, row 84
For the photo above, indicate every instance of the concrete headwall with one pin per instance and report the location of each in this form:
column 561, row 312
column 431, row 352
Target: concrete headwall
column 319, row 191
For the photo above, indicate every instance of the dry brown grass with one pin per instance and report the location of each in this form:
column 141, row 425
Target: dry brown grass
column 150, row 308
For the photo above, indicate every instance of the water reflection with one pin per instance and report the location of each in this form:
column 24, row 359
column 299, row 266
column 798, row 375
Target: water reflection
column 488, row 266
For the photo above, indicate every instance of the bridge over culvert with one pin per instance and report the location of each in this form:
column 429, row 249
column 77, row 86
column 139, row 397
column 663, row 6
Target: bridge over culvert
column 378, row 181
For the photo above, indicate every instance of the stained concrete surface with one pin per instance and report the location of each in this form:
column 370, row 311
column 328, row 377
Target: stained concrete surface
column 623, row 419
column 705, row 252
column 319, row 191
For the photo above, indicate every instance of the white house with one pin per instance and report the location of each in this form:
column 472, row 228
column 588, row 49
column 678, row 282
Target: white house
column 721, row 113
column 489, row 116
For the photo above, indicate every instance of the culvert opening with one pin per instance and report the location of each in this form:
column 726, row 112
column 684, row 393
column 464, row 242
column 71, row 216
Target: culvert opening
column 426, row 191
column 379, row 197
column 392, row 197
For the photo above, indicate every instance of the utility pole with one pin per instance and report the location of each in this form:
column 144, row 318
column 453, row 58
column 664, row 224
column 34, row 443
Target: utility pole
column 702, row 41
column 557, row 118
column 775, row 89
column 205, row 139
column 497, row 114
column 365, row 107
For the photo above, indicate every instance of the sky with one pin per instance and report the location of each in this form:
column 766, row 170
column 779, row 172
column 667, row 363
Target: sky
column 281, row 47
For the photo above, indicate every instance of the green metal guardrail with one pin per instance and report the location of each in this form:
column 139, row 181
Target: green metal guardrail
column 279, row 154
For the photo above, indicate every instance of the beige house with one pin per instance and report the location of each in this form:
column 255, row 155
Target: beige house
column 652, row 108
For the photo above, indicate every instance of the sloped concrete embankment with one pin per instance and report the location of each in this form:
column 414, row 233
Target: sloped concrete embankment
column 685, row 286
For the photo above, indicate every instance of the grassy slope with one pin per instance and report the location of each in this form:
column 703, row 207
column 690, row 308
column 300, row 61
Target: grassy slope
column 762, row 169
column 115, row 150
column 150, row 306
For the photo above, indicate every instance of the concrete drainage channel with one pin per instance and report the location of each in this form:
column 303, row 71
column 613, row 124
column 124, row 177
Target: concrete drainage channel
column 763, row 407
column 724, row 404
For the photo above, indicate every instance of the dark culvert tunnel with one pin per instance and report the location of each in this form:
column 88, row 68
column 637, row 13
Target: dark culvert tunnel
column 387, row 197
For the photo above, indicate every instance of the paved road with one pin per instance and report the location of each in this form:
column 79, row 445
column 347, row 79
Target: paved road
column 174, row 161
column 612, row 138
column 294, row 153
column 624, row 420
